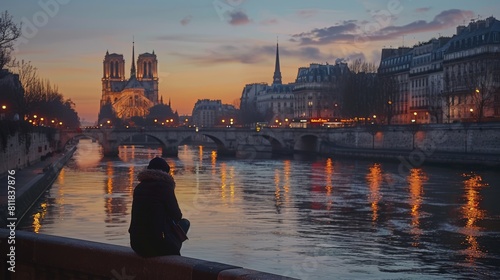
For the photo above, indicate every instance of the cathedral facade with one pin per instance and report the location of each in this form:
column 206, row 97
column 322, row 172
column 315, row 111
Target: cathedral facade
column 133, row 96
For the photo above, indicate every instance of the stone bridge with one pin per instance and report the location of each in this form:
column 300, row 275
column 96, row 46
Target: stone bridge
column 229, row 141
column 439, row 142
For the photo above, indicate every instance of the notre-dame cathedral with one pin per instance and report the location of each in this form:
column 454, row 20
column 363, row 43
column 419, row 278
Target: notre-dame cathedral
column 134, row 96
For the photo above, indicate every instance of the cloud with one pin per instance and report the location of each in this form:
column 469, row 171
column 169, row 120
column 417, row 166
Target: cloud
column 238, row 17
column 186, row 20
column 353, row 31
column 256, row 54
column 306, row 13
column 422, row 10
column 271, row 21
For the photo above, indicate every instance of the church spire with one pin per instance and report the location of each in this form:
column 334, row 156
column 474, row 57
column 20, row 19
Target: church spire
column 277, row 70
column 132, row 69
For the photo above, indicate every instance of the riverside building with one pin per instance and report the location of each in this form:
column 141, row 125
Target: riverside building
column 453, row 79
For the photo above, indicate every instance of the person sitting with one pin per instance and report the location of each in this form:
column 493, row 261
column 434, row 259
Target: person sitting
column 156, row 227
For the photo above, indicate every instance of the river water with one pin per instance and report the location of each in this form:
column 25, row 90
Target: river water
column 321, row 218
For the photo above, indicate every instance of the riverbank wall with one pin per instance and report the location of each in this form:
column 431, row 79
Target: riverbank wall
column 23, row 145
column 30, row 184
column 39, row 256
column 417, row 144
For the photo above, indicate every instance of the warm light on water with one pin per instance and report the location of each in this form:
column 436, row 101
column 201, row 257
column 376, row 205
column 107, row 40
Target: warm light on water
column 305, row 218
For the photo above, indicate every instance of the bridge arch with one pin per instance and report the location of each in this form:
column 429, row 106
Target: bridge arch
column 67, row 140
column 307, row 143
column 133, row 134
column 223, row 148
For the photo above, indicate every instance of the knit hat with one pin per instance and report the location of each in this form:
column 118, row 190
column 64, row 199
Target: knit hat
column 159, row 164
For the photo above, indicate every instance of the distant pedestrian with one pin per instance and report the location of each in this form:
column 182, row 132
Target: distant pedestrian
column 156, row 227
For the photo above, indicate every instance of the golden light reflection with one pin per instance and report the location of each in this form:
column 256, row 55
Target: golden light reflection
column 277, row 190
column 231, row 183
column 416, row 179
column 213, row 161
column 286, row 179
column 374, row 179
column 200, row 153
column 329, row 186
column 223, row 177
column 88, row 154
column 109, row 174
column 472, row 213
column 131, row 179
column 38, row 217
column 60, row 178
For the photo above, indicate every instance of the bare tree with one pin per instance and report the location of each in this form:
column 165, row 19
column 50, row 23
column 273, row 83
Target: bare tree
column 9, row 32
column 359, row 98
column 388, row 93
column 435, row 98
column 482, row 83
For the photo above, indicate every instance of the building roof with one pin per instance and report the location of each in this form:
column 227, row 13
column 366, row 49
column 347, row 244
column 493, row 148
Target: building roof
column 477, row 33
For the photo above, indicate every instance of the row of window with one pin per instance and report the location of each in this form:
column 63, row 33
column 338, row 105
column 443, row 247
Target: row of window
column 476, row 40
column 397, row 60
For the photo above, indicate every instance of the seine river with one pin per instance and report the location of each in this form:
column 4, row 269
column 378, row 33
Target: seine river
column 321, row 218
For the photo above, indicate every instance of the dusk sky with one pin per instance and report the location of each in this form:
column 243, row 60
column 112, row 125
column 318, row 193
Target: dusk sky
column 212, row 48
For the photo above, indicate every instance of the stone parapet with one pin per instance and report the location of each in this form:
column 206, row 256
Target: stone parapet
column 40, row 256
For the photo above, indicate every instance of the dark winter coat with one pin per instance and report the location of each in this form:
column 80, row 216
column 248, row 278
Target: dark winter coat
column 154, row 206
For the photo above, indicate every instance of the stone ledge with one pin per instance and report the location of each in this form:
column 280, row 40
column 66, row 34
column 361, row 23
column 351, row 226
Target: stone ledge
column 40, row 256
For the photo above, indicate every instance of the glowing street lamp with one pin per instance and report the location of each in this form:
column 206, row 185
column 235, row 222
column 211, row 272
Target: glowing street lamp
column 4, row 107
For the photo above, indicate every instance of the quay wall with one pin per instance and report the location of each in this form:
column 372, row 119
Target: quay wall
column 468, row 143
column 40, row 256
column 24, row 149
column 40, row 180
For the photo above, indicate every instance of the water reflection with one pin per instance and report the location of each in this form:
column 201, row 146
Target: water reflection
column 473, row 214
column 374, row 179
column 310, row 219
column 416, row 180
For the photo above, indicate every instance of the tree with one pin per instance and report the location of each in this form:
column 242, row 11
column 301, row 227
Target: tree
column 163, row 114
column 388, row 90
column 9, row 32
column 482, row 83
column 435, row 98
column 11, row 94
column 359, row 98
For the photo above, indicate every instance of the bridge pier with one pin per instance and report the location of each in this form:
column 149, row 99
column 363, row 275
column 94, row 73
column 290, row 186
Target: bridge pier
column 226, row 152
column 109, row 149
column 170, row 151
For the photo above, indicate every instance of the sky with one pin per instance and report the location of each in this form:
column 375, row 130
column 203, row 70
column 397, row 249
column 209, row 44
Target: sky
column 210, row 49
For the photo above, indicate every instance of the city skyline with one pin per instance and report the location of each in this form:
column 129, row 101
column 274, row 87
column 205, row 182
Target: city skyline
column 212, row 49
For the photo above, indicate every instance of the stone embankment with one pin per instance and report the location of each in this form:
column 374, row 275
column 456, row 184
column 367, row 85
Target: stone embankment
column 30, row 184
column 462, row 143
column 40, row 256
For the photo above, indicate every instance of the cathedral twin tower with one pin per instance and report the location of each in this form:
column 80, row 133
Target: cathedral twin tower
column 133, row 96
